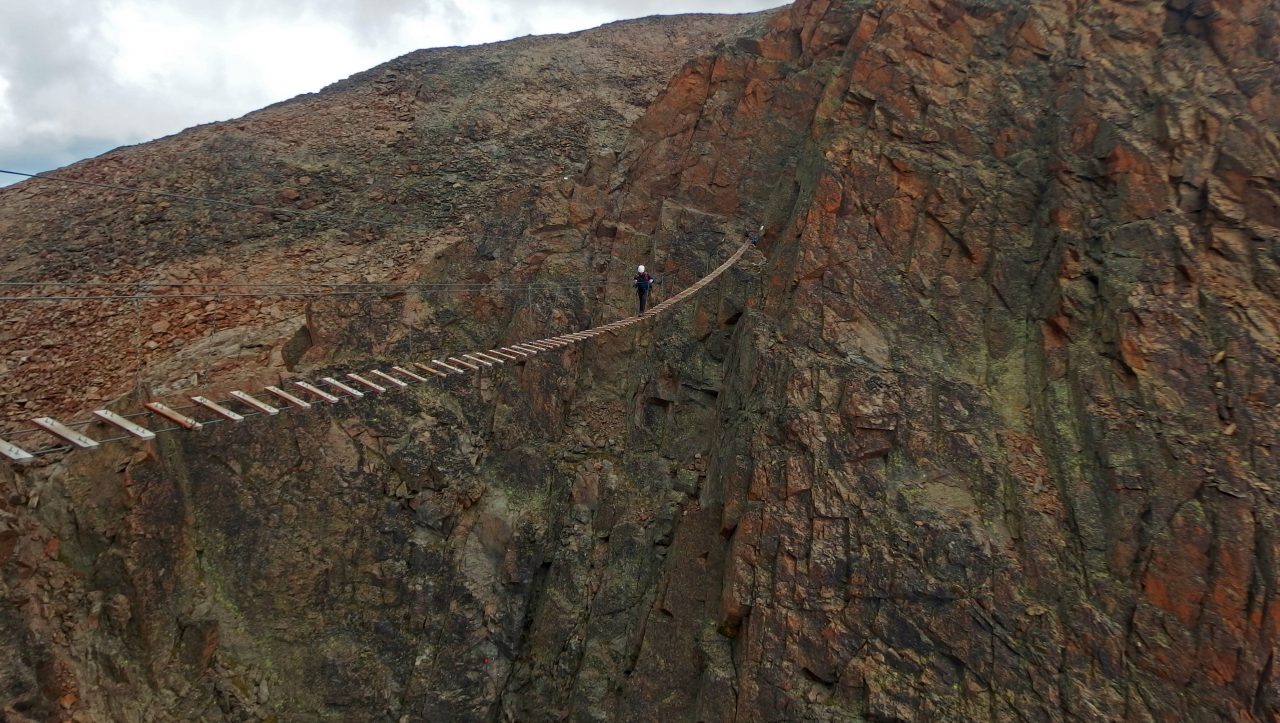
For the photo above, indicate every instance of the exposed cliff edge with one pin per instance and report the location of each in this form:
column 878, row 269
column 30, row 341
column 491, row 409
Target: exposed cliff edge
column 985, row 429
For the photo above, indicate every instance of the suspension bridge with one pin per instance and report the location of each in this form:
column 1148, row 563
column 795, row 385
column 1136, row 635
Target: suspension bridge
column 299, row 395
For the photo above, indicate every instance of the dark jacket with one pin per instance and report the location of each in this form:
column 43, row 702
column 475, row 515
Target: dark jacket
column 644, row 281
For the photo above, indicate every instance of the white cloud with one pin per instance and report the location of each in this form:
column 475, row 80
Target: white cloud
column 7, row 117
column 216, row 66
column 78, row 77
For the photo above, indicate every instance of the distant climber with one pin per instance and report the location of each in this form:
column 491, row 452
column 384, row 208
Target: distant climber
column 644, row 282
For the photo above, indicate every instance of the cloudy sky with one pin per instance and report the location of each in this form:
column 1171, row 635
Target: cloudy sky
column 80, row 77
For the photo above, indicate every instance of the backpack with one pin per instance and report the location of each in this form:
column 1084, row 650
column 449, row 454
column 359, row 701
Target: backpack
column 644, row 281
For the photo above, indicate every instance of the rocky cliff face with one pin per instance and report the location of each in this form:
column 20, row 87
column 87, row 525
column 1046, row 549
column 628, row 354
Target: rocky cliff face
column 984, row 430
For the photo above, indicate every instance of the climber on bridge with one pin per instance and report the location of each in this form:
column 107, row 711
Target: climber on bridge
column 644, row 282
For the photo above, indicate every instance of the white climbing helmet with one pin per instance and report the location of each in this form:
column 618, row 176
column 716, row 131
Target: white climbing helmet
column 640, row 269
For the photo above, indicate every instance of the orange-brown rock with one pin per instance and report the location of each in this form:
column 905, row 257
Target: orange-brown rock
column 983, row 430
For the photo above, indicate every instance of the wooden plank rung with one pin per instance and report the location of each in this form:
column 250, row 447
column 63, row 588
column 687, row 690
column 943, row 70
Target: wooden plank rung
column 433, row 370
column 361, row 380
column 343, row 387
column 218, row 409
column 289, row 398
column 388, row 378
column 317, row 391
column 14, row 453
column 136, row 430
column 58, row 429
column 176, row 417
column 255, row 403
column 453, row 369
column 469, row 365
column 411, row 375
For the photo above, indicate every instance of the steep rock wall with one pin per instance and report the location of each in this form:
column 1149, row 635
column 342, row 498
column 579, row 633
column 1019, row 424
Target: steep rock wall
column 983, row 432
column 996, row 436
